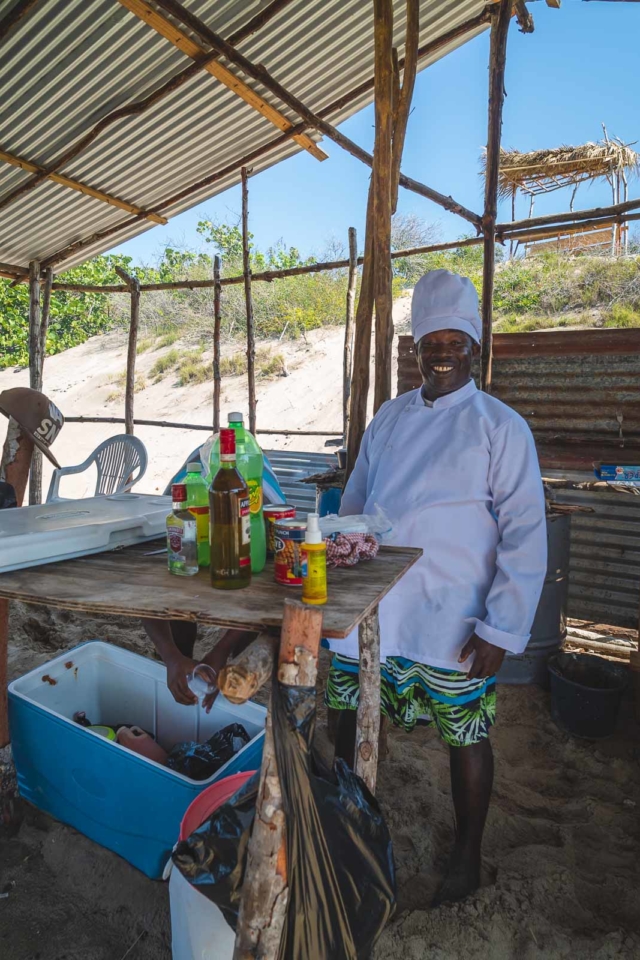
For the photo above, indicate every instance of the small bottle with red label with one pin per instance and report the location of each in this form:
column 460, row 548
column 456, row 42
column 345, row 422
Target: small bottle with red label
column 182, row 542
column 230, row 518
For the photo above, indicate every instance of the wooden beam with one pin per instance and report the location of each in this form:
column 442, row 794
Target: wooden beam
column 80, row 187
column 555, row 4
column 35, row 372
column 260, row 20
column 17, row 13
column 183, row 42
column 262, row 75
column 571, row 216
column 265, row 895
column 217, row 317
column 348, row 329
column 134, row 288
column 497, row 62
column 382, row 197
column 523, row 17
column 13, row 270
column 251, row 338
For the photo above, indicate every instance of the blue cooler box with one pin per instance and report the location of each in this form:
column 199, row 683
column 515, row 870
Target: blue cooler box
column 121, row 800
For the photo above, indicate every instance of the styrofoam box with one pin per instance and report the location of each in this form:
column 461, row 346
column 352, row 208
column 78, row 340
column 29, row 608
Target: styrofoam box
column 75, row 528
column 121, row 800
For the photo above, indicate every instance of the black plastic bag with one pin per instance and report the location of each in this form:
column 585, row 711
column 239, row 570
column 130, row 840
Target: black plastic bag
column 340, row 866
column 201, row 760
column 7, row 496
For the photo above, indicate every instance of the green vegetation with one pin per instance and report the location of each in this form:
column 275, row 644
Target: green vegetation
column 545, row 291
column 120, row 382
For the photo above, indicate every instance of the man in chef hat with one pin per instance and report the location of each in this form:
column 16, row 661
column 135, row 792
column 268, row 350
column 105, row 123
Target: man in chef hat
column 457, row 472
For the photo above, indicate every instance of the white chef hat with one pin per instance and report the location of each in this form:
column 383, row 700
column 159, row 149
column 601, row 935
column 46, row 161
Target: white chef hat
column 443, row 300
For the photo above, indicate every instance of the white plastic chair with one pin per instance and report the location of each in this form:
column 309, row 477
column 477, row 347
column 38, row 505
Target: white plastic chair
column 120, row 461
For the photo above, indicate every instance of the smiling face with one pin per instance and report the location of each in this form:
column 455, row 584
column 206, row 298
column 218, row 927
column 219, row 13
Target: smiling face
column 444, row 358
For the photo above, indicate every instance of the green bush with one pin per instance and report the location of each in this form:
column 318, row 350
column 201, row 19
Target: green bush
column 191, row 369
column 621, row 316
column 164, row 363
column 234, row 365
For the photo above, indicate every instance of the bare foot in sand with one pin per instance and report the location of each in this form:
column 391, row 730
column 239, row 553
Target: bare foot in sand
column 461, row 880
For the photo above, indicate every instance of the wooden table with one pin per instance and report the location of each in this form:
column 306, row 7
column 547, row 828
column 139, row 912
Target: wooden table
column 135, row 582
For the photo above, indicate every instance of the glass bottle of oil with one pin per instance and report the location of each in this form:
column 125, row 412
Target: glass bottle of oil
column 230, row 531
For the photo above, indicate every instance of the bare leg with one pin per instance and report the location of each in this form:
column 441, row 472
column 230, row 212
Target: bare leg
column 471, row 784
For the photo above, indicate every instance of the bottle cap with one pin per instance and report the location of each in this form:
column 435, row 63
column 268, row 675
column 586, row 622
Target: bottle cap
column 194, row 467
column 178, row 492
column 227, row 442
column 235, row 418
column 314, row 534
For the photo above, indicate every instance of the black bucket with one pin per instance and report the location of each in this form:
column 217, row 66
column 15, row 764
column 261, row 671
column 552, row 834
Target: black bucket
column 586, row 692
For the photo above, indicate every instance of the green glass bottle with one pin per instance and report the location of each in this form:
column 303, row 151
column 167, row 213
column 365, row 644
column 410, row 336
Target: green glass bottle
column 198, row 505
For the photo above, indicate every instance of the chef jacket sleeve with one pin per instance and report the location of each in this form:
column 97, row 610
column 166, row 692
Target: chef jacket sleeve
column 521, row 560
column 355, row 492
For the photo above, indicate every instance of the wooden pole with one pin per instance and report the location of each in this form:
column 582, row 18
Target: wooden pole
column 35, row 371
column 382, row 190
column 497, row 61
column 134, row 288
column 251, row 338
column 368, row 718
column 217, row 382
column 348, row 329
column 401, row 114
column 15, row 463
column 362, row 346
column 265, row 894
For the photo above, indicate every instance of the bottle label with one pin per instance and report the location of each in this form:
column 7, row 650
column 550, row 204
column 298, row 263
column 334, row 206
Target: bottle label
column 174, row 537
column 314, row 575
column 255, row 495
column 201, row 515
column 227, row 458
column 245, row 522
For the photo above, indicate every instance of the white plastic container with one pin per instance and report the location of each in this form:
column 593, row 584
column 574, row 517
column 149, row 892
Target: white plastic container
column 47, row 532
column 122, row 800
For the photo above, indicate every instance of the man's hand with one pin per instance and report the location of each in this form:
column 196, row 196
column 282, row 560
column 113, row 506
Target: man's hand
column 178, row 666
column 488, row 658
column 230, row 645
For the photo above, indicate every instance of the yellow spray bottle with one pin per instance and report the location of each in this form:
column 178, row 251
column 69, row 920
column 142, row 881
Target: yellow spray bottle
column 314, row 564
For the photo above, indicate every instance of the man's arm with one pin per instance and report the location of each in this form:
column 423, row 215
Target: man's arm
column 521, row 556
column 178, row 665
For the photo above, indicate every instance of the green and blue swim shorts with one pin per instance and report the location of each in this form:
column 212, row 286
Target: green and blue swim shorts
column 462, row 710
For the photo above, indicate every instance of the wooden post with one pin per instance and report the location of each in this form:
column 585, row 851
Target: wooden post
column 35, row 371
column 361, row 347
column 348, row 329
column 35, row 477
column 134, row 289
column 251, row 337
column 497, row 61
column 368, row 718
column 15, row 464
column 217, row 384
column 382, row 168
column 265, row 894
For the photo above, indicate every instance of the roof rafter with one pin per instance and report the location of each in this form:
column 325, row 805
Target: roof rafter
column 80, row 187
column 179, row 39
column 17, row 13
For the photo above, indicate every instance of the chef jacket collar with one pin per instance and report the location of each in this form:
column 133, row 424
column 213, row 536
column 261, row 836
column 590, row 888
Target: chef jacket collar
column 449, row 399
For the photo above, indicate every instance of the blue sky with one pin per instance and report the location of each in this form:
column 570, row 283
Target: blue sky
column 580, row 68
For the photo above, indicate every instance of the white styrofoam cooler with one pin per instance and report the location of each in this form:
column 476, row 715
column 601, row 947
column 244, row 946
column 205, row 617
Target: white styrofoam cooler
column 121, row 800
column 47, row 532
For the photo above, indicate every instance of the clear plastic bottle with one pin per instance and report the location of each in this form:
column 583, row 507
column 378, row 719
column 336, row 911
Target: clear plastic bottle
column 182, row 536
column 198, row 505
column 250, row 465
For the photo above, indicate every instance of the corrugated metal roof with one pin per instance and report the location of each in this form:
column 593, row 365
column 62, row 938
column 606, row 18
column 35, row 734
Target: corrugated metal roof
column 69, row 63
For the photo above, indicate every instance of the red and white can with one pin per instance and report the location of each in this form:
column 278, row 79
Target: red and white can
column 274, row 514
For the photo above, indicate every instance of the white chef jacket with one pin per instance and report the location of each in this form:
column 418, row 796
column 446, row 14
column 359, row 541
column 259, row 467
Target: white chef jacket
column 459, row 478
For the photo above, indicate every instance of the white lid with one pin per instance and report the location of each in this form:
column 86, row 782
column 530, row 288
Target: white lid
column 194, row 467
column 314, row 534
column 235, row 418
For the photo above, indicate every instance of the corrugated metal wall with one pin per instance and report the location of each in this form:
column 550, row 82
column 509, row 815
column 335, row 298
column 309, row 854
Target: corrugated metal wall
column 572, row 387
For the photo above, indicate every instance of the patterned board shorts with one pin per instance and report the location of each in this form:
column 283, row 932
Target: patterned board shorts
column 462, row 710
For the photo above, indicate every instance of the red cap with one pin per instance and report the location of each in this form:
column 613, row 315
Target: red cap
column 178, row 492
column 227, row 442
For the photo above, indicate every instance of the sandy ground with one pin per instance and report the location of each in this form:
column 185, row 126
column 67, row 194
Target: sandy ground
column 81, row 380
column 562, row 851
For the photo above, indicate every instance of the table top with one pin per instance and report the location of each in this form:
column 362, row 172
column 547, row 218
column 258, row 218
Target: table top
column 131, row 582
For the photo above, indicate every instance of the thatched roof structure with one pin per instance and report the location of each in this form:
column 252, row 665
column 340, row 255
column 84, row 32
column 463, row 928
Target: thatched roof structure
column 541, row 171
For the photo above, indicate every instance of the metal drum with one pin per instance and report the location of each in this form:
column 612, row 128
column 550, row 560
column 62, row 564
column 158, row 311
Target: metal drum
column 550, row 624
